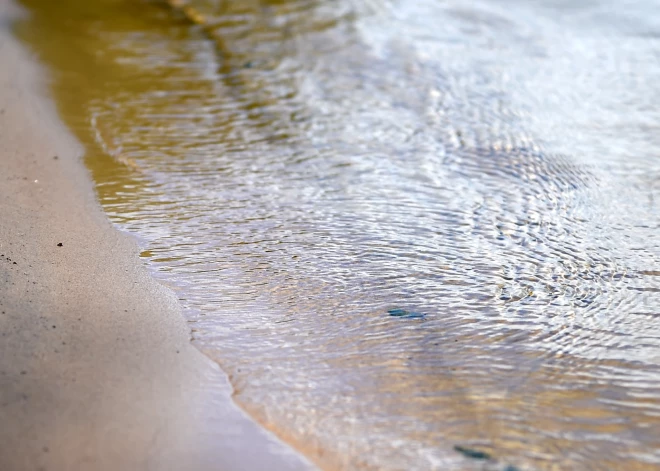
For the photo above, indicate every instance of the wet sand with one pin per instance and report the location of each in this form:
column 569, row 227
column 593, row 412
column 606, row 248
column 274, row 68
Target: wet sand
column 96, row 367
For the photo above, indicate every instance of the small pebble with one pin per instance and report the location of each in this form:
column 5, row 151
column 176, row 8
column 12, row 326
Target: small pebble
column 405, row 314
column 472, row 453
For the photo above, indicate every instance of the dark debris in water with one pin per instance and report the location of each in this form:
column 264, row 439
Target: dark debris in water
column 472, row 453
column 405, row 314
column 475, row 454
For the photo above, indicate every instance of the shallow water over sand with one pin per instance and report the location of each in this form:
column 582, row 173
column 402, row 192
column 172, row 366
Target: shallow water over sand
column 400, row 226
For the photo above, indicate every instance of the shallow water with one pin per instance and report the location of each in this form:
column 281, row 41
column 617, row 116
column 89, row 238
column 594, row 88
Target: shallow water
column 399, row 226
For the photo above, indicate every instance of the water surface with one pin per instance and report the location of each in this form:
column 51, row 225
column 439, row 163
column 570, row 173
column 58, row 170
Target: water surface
column 400, row 226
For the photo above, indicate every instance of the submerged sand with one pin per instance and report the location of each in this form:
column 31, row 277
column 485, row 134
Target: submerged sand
column 96, row 368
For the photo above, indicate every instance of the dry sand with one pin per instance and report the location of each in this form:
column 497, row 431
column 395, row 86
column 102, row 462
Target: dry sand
column 96, row 368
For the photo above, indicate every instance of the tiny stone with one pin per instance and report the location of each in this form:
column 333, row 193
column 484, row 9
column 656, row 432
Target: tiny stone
column 405, row 314
column 472, row 453
column 397, row 312
column 60, row 244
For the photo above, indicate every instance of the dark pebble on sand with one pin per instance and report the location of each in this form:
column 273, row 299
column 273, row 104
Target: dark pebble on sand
column 60, row 244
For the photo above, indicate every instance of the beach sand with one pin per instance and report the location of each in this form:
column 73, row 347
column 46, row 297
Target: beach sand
column 96, row 367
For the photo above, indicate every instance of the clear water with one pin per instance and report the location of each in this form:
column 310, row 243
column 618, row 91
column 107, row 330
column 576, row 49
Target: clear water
column 303, row 172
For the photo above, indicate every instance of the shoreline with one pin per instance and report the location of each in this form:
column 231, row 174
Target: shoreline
column 96, row 366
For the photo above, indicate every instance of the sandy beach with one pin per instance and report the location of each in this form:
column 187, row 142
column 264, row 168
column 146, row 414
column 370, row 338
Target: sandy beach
column 96, row 367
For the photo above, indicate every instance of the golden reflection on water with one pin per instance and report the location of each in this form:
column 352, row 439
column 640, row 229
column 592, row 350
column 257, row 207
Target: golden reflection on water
column 294, row 173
